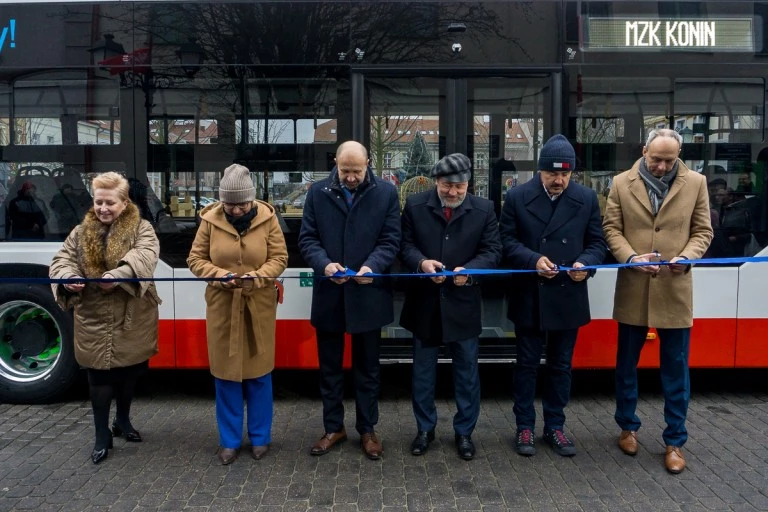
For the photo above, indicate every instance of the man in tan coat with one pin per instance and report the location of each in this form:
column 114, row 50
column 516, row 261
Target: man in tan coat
column 657, row 209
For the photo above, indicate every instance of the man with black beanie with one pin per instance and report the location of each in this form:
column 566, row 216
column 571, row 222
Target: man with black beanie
column 548, row 223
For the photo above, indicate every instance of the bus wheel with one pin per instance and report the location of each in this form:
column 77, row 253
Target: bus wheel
column 37, row 360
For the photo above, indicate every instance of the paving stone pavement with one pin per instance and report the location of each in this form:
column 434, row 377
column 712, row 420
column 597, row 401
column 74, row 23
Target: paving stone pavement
column 45, row 465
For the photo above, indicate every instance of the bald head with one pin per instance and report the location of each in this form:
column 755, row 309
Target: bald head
column 352, row 146
column 351, row 164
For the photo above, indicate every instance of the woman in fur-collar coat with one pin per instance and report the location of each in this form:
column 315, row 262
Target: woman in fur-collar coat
column 115, row 322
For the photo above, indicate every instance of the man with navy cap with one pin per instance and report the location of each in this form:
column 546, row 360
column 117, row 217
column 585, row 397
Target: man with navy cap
column 446, row 229
column 548, row 223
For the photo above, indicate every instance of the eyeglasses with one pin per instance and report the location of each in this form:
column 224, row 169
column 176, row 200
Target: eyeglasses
column 230, row 207
column 446, row 186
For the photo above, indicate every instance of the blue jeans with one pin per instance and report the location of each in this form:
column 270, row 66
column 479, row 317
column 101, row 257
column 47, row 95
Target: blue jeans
column 230, row 410
column 466, row 384
column 675, row 381
column 557, row 384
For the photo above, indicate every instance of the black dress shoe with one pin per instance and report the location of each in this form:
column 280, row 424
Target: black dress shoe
column 465, row 447
column 98, row 455
column 420, row 443
column 132, row 437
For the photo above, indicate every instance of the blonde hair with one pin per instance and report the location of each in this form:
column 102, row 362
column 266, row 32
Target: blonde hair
column 112, row 181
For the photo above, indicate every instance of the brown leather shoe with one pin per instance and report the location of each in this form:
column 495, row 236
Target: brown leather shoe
column 674, row 460
column 258, row 452
column 227, row 455
column 371, row 445
column 628, row 442
column 329, row 439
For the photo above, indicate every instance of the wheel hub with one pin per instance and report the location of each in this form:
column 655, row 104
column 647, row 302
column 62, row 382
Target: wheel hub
column 30, row 341
column 30, row 338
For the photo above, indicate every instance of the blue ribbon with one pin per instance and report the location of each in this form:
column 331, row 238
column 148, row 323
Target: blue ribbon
column 351, row 273
column 48, row 280
column 505, row 271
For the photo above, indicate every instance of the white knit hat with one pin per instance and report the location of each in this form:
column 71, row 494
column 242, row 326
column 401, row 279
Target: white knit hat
column 236, row 186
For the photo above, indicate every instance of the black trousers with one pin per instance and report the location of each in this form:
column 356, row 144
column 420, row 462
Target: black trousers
column 367, row 374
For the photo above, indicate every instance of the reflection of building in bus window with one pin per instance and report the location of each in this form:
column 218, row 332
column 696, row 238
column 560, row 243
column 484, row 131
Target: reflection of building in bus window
column 26, row 216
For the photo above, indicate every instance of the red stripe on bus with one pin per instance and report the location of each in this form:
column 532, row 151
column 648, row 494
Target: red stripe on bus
column 715, row 343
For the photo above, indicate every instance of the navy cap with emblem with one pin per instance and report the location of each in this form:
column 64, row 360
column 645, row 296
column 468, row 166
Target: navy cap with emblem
column 557, row 154
column 454, row 168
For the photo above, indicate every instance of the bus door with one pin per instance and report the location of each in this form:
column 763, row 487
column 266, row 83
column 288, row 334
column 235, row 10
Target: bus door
column 500, row 121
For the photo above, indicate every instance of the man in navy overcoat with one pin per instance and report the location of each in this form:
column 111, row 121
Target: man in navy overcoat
column 351, row 221
column 548, row 223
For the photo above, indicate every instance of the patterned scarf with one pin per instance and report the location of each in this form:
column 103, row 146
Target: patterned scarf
column 658, row 188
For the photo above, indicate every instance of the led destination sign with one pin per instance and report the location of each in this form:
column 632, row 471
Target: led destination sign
column 702, row 35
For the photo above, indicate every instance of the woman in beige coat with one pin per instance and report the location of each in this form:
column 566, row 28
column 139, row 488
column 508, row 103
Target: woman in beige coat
column 240, row 238
column 115, row 322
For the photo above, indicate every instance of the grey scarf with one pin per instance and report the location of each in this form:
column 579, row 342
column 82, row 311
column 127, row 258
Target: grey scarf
column 658, row 188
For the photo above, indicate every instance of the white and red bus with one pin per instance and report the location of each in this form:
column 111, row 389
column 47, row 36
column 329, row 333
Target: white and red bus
column 170, row 93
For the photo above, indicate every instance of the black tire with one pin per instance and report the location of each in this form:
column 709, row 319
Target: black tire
column 37, row 359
